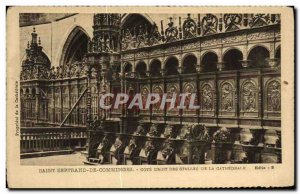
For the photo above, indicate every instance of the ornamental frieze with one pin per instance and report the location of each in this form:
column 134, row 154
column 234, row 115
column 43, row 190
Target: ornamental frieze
column 193, row 45
column 260, row 35
column 211, row 42
column 277, row 34
column 141, row 54
column 128, row 56
column 233, row 39
column 156, row 51
column 172, row 49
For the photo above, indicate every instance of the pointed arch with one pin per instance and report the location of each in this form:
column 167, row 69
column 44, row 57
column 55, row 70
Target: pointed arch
column 75, row 46
column 135, row 19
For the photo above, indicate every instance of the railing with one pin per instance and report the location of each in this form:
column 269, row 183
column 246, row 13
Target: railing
column 44, row 139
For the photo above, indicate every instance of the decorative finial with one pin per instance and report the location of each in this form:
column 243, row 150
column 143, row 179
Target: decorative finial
column 39, row 40
column 28, row 44
column 34, row 29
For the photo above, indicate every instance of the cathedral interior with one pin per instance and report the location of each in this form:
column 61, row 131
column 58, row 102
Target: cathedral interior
column 231, row 61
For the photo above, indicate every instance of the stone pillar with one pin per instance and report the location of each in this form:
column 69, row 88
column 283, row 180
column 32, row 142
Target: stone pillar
column 90, row 134
column 272, row 62
column 37, row 104
column 246, row 63
column 220, row 66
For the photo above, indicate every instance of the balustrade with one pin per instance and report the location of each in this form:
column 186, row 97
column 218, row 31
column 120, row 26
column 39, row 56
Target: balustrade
column 43, row 139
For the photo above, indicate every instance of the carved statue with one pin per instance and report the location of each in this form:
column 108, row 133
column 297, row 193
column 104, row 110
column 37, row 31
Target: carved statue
column 119, row 152
column 273, row 92
column 103, row 149
column 151, row 152
column 227, row 97
column 207, row 97
column 134, row 150
column 169, row 153
column 249, row 97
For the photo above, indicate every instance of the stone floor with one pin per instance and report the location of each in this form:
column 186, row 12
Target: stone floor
column 75, row 159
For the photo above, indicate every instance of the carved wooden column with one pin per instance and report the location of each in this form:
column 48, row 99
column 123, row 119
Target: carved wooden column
column 222, row 146
column 37, row 104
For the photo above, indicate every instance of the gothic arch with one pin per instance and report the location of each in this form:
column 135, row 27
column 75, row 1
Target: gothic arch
column 130, row 18
column 75, row 46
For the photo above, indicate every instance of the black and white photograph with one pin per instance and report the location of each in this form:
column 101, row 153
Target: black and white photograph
column 230, row 62
column 150, row 97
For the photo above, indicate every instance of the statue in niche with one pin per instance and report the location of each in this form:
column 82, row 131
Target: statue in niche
column 274, row 96
column 227, row 97
column 249, row 97
column 207, row 97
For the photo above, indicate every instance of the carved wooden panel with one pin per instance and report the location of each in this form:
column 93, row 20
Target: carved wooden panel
column 173, row 88
column 207, row 97
column 272, row 97
column 144, row 90
column 227, row 97
column 190, row 88
column 249, row 97
column 158, row 89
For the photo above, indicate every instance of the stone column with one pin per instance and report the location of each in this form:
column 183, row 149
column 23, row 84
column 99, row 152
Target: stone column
column 37, row 104
column 220, row 66
column 246, row 63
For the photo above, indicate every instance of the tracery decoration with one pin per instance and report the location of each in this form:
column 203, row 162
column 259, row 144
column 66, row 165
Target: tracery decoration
column 259, row 20
column 189, row 28
column 209, row 24
column 155, row 36
column 171, row 32
column 232, row 21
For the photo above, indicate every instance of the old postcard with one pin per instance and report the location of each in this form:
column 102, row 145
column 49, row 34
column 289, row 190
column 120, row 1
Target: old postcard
column 150, row 97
